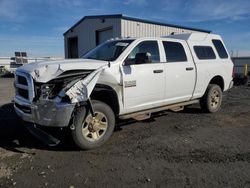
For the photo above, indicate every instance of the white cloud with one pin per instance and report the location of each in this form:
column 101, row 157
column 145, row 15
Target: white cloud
column 9, row 9
column 35, row 45
column 64, row 3
column 32, row 40
column 135, row 2
column 221, row 9
column 16, row 28
column 61, row 29
column 19, row 10
column 206, row 10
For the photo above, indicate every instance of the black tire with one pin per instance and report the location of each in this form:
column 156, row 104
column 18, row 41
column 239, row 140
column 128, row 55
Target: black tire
column 207, row 102
column 79, row 122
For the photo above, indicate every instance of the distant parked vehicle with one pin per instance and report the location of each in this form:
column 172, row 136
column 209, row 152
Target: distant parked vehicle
column 2, row 69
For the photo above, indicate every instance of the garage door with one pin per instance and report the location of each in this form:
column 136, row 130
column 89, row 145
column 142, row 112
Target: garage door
column 103, row 35
column 73, row 47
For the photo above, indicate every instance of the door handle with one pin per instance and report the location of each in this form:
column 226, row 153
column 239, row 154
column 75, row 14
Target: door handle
column 158, row 71
column 189, row 68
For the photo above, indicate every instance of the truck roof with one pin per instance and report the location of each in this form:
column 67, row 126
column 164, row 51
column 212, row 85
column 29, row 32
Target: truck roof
column 194, row 36
column 185, row 36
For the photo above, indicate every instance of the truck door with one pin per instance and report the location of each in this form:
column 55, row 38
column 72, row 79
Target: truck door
column 143, row 77
column 180, row 72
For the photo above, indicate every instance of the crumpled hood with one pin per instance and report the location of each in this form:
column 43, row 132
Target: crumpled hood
column 45, row 71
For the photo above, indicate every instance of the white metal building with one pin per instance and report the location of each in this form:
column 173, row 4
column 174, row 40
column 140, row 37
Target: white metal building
column 93, row 30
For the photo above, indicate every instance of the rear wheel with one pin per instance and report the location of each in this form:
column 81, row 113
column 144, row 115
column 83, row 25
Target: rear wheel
column 91, row 132
column 211, row 101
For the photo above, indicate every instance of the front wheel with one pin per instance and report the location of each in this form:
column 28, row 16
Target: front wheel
column 91, row 132
column 211, row 101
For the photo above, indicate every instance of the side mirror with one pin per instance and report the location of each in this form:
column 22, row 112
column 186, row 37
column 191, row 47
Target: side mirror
column 141, row 58
column 129, row 62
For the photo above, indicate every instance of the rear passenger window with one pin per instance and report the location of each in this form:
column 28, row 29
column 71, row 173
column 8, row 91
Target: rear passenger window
column 204, row 52
column 220, row 49
column 174, row 51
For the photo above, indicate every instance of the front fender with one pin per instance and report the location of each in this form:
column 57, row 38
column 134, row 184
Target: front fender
column 82, row 89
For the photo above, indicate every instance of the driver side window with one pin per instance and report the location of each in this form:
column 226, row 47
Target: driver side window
column 149, row 48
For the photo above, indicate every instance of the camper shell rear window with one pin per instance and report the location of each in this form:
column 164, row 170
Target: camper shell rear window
column 220, row 49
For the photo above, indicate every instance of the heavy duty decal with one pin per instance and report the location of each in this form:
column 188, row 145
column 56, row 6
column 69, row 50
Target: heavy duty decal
column 131, row 83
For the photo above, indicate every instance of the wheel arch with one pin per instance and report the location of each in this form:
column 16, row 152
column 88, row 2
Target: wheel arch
column 107, row 95
column 218, row 80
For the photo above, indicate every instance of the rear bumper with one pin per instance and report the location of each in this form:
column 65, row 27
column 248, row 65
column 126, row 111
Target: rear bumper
column 45, row 113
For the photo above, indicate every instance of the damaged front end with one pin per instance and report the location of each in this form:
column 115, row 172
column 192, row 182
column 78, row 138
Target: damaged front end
column 52, row 103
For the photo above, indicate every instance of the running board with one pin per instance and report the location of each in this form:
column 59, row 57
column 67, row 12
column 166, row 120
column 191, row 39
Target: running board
column 43, row 136
column 142, row 117
column 177, row 108
column 174, row 107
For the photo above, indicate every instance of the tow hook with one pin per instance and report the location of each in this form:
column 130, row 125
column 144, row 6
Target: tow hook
column 72, row 127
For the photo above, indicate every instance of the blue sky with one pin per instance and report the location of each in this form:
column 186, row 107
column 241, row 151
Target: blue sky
column 37, row 26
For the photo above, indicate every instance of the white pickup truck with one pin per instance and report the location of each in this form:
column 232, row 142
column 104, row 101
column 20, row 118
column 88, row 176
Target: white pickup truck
column 122, row 78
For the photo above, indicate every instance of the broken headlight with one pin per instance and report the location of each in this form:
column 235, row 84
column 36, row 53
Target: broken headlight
column 47, row 91
column 52, row 88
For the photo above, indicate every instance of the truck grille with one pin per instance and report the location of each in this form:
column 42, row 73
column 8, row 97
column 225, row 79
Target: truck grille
column 23, row 93
column 22, row 80
column 24, row 86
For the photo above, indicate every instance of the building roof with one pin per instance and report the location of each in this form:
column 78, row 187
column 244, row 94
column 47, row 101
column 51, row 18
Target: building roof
column 121, row 16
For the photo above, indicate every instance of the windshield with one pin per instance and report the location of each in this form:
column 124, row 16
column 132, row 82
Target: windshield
column 108, row 51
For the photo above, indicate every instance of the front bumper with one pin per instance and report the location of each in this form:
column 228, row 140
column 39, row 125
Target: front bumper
column 45, row 113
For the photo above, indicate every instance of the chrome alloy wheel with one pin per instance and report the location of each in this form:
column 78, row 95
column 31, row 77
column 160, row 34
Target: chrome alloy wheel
column 215, row 99
column 94, row 128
